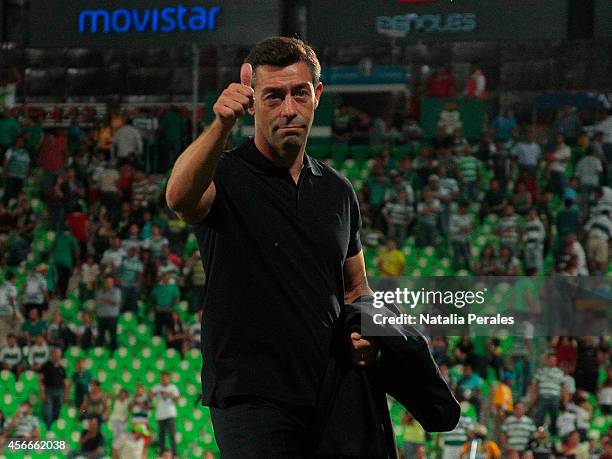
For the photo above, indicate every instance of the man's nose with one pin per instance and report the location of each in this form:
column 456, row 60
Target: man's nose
column 288, row 107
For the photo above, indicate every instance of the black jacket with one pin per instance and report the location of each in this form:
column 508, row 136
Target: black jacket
column 352, row 416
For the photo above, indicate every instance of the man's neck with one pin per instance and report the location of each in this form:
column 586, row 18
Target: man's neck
column 293, row 164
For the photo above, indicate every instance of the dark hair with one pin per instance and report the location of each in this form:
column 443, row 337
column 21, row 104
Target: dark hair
column 284, row 51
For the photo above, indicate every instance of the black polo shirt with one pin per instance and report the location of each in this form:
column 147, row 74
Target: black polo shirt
column 53, row 376
column 273, row 252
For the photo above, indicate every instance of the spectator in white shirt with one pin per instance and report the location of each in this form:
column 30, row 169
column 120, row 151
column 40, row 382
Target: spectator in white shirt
column 24, row 425
column 132, row 445
column 38, row 353
column 534, row 236
column 599, row 232
column 559, row 159
column 35, row 294
column 127, row 142
column 527, row 153
column 398, row 214
column 165, row 395
column 460, row 228
column 588, row 170
column 11, row 356
column 112, row 258
column 10, row 318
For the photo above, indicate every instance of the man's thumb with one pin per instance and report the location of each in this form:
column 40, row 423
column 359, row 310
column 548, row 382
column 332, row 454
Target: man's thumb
column 246, row 74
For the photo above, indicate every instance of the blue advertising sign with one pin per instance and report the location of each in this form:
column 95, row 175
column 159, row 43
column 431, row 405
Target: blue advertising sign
column 86, row 23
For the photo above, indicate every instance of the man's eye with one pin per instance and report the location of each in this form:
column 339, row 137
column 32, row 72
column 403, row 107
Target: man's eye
column 301, row 93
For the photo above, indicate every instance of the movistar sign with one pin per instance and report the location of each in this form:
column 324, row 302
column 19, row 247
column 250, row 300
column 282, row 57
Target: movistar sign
column 169, row 19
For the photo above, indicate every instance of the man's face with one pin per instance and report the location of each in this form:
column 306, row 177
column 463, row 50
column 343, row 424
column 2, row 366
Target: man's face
column 284, row 104
column 519, row 410
column 56, row 355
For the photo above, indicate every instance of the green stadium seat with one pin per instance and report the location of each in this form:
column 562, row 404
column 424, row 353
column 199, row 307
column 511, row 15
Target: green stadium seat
column 7, row 378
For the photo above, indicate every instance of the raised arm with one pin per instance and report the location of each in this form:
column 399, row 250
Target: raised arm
column 191, row 190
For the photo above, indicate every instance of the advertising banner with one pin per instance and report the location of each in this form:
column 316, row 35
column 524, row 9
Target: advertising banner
column 84, row 23
column 365, row 21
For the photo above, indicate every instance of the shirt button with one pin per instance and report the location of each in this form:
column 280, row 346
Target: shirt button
column 275, row 244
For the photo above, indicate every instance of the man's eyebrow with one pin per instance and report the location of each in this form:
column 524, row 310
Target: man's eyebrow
column 269, row 89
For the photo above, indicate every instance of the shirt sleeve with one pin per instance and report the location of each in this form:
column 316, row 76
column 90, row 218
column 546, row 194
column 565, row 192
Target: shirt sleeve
column 354, row 246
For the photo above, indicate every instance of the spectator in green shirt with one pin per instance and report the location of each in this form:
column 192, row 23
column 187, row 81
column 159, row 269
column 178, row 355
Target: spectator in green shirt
column 32, row 327
column 9, row 128
column 16, row 169
column 164, row 297
column 34, row 133
column 130, row 279
column 64, row 254
column 568, row 220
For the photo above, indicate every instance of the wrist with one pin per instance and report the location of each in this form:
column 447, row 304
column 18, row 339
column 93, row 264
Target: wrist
column 221, row 126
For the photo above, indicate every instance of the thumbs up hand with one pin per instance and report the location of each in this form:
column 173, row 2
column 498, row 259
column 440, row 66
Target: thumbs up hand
column 236, row 99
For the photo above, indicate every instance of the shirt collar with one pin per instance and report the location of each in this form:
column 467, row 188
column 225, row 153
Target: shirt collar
column 254, row 156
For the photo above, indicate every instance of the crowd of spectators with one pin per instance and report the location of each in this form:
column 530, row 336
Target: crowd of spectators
column 114, row 246
column 117, row 248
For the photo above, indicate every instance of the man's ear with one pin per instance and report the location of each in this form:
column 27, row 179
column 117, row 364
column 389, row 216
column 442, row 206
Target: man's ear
column 251, row 108
column 318, row 91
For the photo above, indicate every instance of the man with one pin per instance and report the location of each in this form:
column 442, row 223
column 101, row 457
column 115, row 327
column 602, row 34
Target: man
column 479, row 446
column 11, row 356
column 476, row 86
column 130, row 279
column 599, row 232
column 127, row 142
column 508, row 229
column 441, row 84
column 279, row 233
column 35, row 294
column 533, row 236
column 16, row 169
column 109, row 306
column 540, row 447
column 54, row 387
column 113, row 257
column 10, row 317
column 589, row 170
column 131, row 446
column 164, row 298
column 568, row 123
column 91, row 442
column 428, row 211
column 527, row 153
column 38, row 353
column 164, row 396
column 557, row 165
column 517, row 430
column 32, row 327
column 460, row 229
column 546, row 389
column 469, row 174
column 470, row 384
column 24, row 425
column 452, row 442
column 80, row 378
column 9, row 130
column 398, row 214
column 391, row 262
